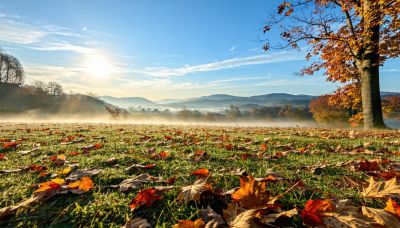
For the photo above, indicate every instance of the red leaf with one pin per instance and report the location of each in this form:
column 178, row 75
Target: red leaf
column 312, row 213
column 201, row 173
column 145, row 197
column 3, row 157
column 8, row 145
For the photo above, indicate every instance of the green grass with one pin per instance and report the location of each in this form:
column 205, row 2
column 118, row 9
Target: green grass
column 106, row 207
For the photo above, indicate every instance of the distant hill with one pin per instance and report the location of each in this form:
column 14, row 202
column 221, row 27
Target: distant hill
column 20, row 99
column 125, row 102
column 218, row 101
column 224, row 101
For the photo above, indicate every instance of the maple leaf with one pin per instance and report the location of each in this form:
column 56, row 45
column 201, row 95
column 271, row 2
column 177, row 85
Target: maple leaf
column 54, row 184
column 201, row 173
column 198, row 223
column 381, row 189
column 392, row 207
column 3, row 157
column 314, row 209
column 381, row 216
column 145, row 197
column 84, row 184
column 252, row 194
column 246, row 219
column 193, row 192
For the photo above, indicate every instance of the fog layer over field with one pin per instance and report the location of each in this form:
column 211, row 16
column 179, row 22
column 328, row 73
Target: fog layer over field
column 107, row 119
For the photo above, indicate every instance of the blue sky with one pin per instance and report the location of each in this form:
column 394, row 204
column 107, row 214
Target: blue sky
column 157, row 49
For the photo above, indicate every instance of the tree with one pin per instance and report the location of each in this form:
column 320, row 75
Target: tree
column 353, row 38
column 324, row 112
column 54, row 90
column 11, row 70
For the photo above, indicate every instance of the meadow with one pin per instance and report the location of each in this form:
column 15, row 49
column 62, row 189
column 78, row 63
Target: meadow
column 285, row 167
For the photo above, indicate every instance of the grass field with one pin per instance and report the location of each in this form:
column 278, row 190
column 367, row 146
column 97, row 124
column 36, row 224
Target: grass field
column 311, row 157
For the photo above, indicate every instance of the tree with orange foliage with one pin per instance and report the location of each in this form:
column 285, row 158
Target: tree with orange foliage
column 353, row 38
column 324, row 112
column 391, row 107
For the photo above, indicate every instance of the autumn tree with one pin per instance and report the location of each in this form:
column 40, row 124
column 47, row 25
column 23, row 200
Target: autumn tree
column 11, row 70
column 324, row 112
column 348, row 39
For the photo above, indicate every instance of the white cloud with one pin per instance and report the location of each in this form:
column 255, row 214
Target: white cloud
column 47, row 37
column 232, row 48
column 224, row 64
column 238, row 79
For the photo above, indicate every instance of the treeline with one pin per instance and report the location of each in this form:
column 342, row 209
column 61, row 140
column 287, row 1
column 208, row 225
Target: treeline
column 325, row 111
column 233, row 113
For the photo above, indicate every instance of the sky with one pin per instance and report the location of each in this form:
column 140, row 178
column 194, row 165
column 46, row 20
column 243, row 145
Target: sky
column 158, row 49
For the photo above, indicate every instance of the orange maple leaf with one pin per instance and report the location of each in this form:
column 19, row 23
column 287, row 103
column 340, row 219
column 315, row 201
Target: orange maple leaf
column 201, row 173
column 392, row 207
column 314, row 209
column 190, row 224
column 164, row 154
column 54, row 184
column 252, row 194
column 145, row 197
column 3, row 157
column 84, row 184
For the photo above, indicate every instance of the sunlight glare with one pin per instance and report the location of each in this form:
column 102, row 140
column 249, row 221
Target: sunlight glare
column 98, row 66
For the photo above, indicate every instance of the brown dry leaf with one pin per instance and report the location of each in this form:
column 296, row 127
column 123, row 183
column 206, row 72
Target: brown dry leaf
column 189, row 224
column 82, row 173
column 230, row 213
column 211, row 218
column 381, row 189
column 381, row 216
column 246, row 220
column 137, row 223
column 35, row 198
column 277, row 213
column 135, row 183
column 193, row 192
column 346, row 215
column 252, row 194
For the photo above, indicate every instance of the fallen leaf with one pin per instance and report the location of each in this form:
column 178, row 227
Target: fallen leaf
column 201, row 173
column 381, row 216
column 74, row 176
column 211, row 218
column 252, row 194
column 82, row 185
column 392, row 207
column 381, row 189
column 135, row 183
column 145, row 197
column 137, row 223
column 246, row 220
column 314, row 209
column 189, row 224
column 193, row 192
column 54, row 184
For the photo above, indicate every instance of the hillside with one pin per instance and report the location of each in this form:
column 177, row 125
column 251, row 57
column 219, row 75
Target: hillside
column 125, row 102
column 16, row 99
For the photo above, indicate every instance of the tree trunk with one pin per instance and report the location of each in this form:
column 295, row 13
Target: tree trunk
column 369, row 69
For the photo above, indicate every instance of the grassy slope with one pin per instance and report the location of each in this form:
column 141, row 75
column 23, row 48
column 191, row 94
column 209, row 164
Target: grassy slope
column 108, row 208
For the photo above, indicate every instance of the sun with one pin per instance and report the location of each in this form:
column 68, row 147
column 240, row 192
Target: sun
column 98, row 66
